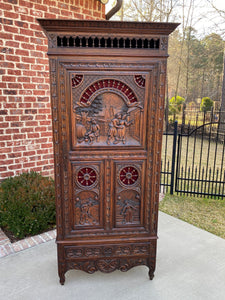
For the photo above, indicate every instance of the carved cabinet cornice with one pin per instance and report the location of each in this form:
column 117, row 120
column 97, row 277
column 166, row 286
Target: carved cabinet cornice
column 107, row 94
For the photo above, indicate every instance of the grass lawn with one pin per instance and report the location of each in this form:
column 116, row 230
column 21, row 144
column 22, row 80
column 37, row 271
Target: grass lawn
column 208, row 214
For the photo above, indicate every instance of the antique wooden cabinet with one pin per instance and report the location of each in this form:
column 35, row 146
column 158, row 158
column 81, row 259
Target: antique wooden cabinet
column 107, row 92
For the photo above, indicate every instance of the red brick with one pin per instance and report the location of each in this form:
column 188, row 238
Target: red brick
column 24, row 105
column 29, row 73
column 25, row 3
column 27, row 129
column 14, row 86
column 10, row 92
column 14, row 99
column 21, row 10
column 27, row 18
column 6, row 6
column 13, row 155
column 19, row 136
column 43, row 146
column 23, row 79
column 22, row 52
column 54, row 10
column 3, row 85
column 29, row 153
column 6, row 21
column 26, row 32
column 36, row 14
column 7, row 50
column 17, row 124
column 31, row 123
column 14, row 72
column 3, row 169
column 25, row 92
column 40, row 129
column 11, row 15
column 21, row 24
column 4, row 125
column 14, row 167
column 37, row 67
column 26, row 118
column 11, row 29
column 6, row 64
column 36, row 54
column 9, row 78
column 23, row 66
column 10, row 131
column 16, row 111
column 12, row 118
column 12, row 58
column 20, row 148
column 29, row 60
column 38, row 79
column 10, row 105
column 3, row 112
column 6, row 36
column 42, row 48
column 36, row 41
column 29, row 99
column 7, row 174
column 28, row 165
column 49, row 16
column 28, row 46
column 33, row 135
column 29, row 86
column 39, row 93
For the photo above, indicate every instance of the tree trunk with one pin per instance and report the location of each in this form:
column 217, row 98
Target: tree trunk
column 222, row 107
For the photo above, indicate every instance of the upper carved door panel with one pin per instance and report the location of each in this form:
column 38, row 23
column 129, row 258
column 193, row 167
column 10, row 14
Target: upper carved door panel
column 108, row 110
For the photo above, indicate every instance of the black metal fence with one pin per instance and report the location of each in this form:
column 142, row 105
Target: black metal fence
column 193, row 155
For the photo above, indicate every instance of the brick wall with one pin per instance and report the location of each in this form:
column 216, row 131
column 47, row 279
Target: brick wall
column 25, row 114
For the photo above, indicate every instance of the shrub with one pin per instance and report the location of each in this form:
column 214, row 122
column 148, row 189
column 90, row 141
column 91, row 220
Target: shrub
column 27, row 204
column 206, row 104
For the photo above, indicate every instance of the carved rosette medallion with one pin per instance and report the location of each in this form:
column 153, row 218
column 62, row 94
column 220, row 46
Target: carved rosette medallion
column 128, row 175
column 87, row 177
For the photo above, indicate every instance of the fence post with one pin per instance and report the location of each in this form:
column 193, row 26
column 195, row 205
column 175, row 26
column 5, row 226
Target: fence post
column 173, row 158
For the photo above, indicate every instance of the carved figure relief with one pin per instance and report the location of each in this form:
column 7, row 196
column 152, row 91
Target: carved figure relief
column 127, row 206
column 87, row 209
column 107, row 113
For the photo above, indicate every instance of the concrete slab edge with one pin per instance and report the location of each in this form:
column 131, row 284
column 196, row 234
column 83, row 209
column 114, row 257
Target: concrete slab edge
column 8, row 248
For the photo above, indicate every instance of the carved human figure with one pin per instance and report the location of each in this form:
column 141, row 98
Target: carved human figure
column 93, row 133
column 117, row 128
column 121, row 131
column 95, row 128
column 127, row 212
column 85, row 214
column 113, row 126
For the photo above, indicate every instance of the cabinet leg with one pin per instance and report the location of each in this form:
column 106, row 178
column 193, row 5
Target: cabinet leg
column 151, row 274
column 62, row 279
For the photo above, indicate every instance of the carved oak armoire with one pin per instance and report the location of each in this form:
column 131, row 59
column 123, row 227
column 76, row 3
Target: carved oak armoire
column 107, row 92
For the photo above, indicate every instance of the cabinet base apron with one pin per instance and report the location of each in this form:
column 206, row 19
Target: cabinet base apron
column 105, row 257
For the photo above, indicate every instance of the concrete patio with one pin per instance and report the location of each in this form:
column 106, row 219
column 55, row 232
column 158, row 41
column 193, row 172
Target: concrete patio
column 190, row 265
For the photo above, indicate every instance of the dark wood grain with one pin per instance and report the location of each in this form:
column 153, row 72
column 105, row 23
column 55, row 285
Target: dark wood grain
column 107, row 109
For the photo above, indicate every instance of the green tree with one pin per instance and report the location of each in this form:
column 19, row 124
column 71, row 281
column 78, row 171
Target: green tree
column 175, row 105
column 206, row 104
